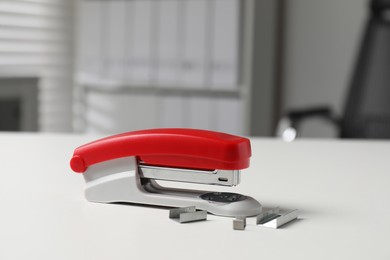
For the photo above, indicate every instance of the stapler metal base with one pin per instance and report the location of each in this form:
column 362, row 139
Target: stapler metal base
column 119, row 181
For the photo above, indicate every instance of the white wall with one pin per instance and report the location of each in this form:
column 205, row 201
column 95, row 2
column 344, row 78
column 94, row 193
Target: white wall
column 320, row 47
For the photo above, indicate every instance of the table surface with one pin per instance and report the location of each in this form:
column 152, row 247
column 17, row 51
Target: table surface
column 342, row 189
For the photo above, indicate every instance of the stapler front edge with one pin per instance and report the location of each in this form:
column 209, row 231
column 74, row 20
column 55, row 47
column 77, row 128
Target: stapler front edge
column 126, row 168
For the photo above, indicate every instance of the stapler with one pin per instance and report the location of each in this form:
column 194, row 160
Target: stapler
column 129, row 168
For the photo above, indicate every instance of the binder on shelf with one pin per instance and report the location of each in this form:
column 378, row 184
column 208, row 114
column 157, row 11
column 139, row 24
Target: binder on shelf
column 229, row 115
column 200, row 112
column 129, row 40
column 93, row 38
column 224, row 64
column 171, row 111
column 140, row 61
column 193, row 56
column 115, row 39
column 82, row 40
column 168, row 43
column 112, row 112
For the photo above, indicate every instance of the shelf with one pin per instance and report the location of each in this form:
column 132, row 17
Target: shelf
column 112, row 86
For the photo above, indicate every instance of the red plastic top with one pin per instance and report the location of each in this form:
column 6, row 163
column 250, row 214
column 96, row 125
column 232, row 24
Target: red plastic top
column 174, row 147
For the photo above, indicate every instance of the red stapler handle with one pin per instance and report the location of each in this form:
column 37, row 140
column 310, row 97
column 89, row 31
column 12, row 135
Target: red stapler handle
column 185, row 148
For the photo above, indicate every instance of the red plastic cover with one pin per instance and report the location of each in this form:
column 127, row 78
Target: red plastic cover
column 171, row 147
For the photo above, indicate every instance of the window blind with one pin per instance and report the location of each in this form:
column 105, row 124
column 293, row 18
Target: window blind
column 36, row 40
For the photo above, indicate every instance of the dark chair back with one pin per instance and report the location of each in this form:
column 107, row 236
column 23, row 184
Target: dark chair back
column 367, row 111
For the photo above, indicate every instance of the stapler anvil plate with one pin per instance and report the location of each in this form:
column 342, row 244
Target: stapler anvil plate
column 125, row 167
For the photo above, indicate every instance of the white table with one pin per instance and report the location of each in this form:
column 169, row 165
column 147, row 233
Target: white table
column 342, row 189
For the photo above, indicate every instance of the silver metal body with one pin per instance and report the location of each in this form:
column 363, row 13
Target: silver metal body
column 214, row 177
column 275, row 218
column 122, row 180
column 239, row 223
column 188, row 214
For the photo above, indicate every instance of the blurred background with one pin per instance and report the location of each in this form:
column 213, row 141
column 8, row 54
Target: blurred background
column 247, row 67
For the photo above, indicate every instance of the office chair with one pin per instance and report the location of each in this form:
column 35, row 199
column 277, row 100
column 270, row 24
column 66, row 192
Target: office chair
column 367, row 110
